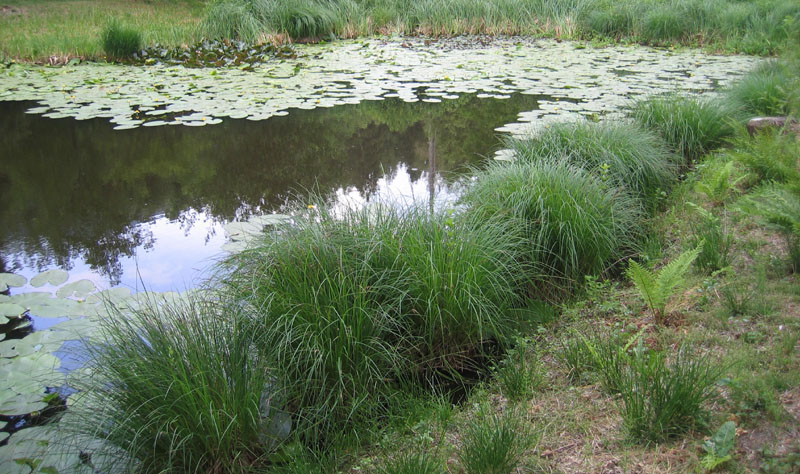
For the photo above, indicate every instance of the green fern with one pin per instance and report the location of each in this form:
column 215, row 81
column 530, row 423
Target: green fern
column 717, row 185
column 658, row 287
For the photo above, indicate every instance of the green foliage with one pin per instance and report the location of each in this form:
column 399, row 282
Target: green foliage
column 657, row 287
column 495, row 444
column 771, row 155
column 352, row 305
column 414, row 463
column 120, row 41
column 691, row 126
column 662, row 399
column 574, row 223
column 519, row 374
column 305, row 19
column 719, row 448
column 664, row 23
column 710, row 235
column 177, row 386
column 780, row 208
column 772, row 88
column 621, row 154
column 717, row 183
column 245, row 20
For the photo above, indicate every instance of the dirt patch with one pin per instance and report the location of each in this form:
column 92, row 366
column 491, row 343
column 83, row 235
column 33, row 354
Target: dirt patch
column 790, row 400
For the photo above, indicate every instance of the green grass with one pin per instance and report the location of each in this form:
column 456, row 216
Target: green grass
column 120, row 41
column 495, row 443
column 691, row 126
column 664, row 398
column 711, row 236
column 779, row 207
column 67, row 28
column 574, row 223
column 177, row 386
column 770, row 156
column 772, row 88
column 414, row 463
column 353, row 305
column 620, row 153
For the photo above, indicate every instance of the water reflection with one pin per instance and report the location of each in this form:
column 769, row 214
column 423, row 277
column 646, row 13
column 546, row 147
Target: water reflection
column 148, row 204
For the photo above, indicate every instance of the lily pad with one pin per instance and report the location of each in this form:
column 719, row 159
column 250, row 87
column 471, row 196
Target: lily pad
column 53, row 277
column 78, row 289
column 11, row 280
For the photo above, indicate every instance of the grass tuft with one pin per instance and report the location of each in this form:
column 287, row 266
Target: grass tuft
column 120, row 41
column 177, row 386
column 574, row 223
column 691, row 126
column 621, row 154
column 495, row 444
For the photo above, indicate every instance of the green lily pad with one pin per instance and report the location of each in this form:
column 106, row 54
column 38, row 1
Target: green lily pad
column 11, row 280
column 78, row 289
column 54, row 277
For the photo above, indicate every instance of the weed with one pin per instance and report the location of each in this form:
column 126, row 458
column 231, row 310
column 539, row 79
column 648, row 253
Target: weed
column 719, row 448
column 495, row 444
column 120, row 41
column 414, row 463
column 737, row 298
column 519, row 374
column 710, row 235
column 662, row 399
column 658, row 287
column 780, row 208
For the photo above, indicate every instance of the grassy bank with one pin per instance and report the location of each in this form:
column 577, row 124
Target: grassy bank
column 587, row 308
column 39, row 30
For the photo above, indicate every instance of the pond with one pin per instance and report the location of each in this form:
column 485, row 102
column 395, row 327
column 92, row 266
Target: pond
column 119, row 178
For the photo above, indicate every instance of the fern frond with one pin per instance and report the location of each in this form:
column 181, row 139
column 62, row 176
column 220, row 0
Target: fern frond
column 657, row 287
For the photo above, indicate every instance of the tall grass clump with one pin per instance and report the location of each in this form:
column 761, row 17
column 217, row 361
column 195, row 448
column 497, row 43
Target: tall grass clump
column 245, row 20
column 178, row 386
column 495, row 443
column 574, row 223
column 305, row 19
column 326, row 294
column 622, row 154
column 120, row 41
column 711, row 236
column 414, row 463
column 691, row 126
column 664, row 23
column 353, row 304
column 772, row 88
column 664, row 398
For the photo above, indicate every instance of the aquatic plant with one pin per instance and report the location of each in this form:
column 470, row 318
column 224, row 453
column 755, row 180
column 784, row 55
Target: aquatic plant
column 691, row 126
column 177, row 385
column 119, row 40
column 620, row 153
column 573, row 222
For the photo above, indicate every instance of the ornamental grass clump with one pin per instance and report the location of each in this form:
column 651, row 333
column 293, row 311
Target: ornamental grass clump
column 772, row 88
column 354, row 304
column 691, row 126
column 574, row 223
column 176, row 386
column 620, row 153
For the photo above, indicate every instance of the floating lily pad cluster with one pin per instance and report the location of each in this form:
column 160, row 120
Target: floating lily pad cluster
column 213, row 53
column 579, row 81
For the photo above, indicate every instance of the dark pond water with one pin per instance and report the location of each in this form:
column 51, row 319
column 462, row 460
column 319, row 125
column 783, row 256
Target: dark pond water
column 148, row 204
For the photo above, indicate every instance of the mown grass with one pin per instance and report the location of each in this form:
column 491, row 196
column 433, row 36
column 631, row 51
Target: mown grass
column 71, row 28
